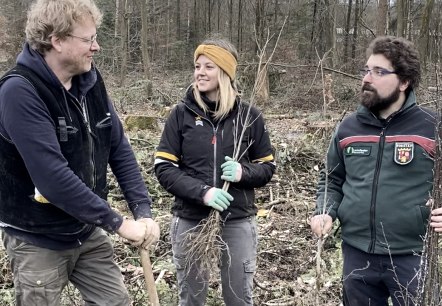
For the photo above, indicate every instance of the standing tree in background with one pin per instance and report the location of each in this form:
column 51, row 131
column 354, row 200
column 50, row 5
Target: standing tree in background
column 381, row 18
column 178, row 19
column 123, row 26
column 231, row 20
column 347, row 30
column 145, row 45
column 400, row 18
column 355, row 32
column 260, row 24
column 424, row 33
column 330, row 32
column 239, row 37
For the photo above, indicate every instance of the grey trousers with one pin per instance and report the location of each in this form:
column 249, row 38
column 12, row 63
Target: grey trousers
column 238, row 264
column 41, row 274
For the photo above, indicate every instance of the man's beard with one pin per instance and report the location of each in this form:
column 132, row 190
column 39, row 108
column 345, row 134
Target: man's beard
column 374, row 102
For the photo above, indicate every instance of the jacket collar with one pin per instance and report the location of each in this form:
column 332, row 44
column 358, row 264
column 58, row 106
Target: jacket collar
column 34, row 61
column 366, row 116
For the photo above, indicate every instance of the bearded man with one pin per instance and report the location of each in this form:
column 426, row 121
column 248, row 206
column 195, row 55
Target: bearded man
column 378, row 179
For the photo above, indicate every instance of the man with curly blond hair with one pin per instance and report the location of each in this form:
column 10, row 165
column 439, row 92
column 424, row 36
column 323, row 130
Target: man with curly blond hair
column 58, row 134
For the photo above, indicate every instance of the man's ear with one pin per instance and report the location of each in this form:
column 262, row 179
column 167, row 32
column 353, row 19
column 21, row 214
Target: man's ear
column 404, row 85
column 56, row 43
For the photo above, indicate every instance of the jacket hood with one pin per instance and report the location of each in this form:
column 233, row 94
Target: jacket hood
column 34, row 61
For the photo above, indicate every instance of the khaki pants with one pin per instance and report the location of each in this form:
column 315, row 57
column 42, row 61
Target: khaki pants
column 41, row 274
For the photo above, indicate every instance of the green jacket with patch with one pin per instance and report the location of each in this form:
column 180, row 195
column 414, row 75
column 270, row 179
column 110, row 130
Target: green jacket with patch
column 380, row 178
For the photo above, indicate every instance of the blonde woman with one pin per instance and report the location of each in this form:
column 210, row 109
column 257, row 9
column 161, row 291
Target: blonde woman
column 193, row 160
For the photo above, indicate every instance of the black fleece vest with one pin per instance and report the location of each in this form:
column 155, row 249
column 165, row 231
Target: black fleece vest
column 84, row 143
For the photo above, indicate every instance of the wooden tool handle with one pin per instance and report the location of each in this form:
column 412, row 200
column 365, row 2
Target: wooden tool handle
column 148, row 277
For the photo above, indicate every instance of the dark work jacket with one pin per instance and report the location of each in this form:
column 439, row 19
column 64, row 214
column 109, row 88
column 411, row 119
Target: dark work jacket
column 380, row 178
column 17, row 205
column 61, row 145
column 193, row 147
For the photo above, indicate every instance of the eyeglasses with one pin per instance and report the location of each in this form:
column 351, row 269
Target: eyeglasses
column 86, row 40
column 375, row 72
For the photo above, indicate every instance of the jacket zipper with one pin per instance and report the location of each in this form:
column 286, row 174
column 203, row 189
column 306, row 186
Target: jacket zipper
column 375, row 189
column 214, row 142
column 81, row 106
column 91, row 144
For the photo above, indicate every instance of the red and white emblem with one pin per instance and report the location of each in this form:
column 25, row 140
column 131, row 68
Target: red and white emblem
column 403, row 152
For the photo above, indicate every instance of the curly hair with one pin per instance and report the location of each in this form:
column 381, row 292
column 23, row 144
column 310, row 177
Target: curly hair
column 47, row 18
column 403, row 56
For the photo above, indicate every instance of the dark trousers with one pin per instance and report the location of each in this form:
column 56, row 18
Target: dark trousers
column 370, row 279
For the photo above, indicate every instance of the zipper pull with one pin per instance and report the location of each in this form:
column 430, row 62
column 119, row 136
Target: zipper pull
column 214, row 139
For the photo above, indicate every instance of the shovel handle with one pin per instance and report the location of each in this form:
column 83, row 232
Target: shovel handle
column 148, row 277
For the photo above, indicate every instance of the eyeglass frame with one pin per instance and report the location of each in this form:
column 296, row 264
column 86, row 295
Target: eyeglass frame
column 375, row 72
column 84, row 39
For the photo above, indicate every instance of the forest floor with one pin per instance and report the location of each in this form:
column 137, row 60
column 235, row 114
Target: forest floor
column 286, row 264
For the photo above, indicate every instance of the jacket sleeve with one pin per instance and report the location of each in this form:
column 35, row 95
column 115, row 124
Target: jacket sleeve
column 26, row 122
column 329, row 190
column 127, row 171
column 167, row 161
column 261, row 166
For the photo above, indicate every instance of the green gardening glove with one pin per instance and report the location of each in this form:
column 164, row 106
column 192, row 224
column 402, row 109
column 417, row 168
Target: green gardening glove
column 232, row 170
column 217, row 199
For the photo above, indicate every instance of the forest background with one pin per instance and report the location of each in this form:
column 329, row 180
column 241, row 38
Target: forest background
column 310, row 83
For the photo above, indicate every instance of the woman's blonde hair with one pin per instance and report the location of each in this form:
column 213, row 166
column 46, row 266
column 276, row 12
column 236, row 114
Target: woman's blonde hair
column 47, row 18
column 227, row 89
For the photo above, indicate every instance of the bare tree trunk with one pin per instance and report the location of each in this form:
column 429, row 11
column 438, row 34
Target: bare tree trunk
column 239, row 43
column 196, row 21
column 188, row 30
column 117, row 17
column 329, row 31
column 312, row 37
column 400, row 25
column 145, row 45
column 209, row 16
column 424, row 35
column 218, row 13
column 381, row 19
column 123, row 41
column 407, row 19
column 355, row 32
column 259, row 24
column 231, row 20
column 275, row 20
column 429, row 293
column 178, row 19
column 168, row 31
column 347, row 30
